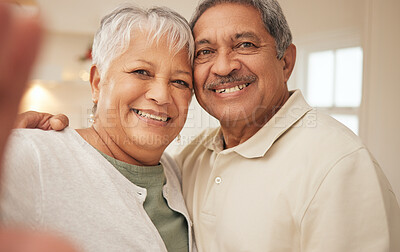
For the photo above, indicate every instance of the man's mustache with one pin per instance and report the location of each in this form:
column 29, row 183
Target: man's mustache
column 230, row 79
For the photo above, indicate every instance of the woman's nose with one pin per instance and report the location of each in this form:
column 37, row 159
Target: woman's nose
column 160, row 92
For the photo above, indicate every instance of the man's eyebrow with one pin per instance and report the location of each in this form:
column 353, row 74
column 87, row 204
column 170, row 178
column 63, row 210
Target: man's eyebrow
column 242, row 35
column 247, row 35
column 202, row 42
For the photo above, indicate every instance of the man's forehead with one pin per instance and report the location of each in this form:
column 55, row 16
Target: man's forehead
column 228, row 20
column 233, row 36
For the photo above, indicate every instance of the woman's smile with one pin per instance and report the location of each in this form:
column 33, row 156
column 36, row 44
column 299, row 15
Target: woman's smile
column 150, row 115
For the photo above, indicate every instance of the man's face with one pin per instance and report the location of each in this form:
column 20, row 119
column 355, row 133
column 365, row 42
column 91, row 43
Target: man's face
column 238, row 78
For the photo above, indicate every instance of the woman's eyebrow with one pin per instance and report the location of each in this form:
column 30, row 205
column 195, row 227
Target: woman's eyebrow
column 184, row 72
column 145, row 61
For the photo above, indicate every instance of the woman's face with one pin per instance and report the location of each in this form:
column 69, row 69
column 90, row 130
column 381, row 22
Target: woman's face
column 144, row 96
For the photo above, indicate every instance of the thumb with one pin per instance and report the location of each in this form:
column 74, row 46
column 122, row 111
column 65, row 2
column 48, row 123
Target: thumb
column 59, row 122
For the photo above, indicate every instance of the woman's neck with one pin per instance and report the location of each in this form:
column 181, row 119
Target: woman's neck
column 127, row 152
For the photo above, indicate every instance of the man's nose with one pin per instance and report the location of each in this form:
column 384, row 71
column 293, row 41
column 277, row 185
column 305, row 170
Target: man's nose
column 224, row 64
column 160, row 92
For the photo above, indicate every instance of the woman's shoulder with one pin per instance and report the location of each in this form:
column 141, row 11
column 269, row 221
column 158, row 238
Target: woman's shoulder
column 44, row 136
column 50, row 149
column 35, row 133
column 42, row 140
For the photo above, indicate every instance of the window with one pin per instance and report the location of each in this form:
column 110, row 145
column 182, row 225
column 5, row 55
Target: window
column 334, row 83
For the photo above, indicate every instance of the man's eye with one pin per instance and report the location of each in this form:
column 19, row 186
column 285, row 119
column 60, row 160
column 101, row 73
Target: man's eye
column 246, row 45
column 203, row 52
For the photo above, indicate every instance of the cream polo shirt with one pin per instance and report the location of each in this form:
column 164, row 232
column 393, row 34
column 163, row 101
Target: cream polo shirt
column 304, row 182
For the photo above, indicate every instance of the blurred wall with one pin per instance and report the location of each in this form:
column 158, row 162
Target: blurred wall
column 60, row 80
column 380, row 115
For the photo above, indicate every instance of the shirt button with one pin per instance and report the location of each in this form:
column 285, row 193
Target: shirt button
column 218, row 180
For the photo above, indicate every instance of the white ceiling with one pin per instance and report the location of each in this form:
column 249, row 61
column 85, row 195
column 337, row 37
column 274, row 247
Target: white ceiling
column 83, row 16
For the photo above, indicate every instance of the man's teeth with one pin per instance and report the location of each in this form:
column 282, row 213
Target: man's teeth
column 154, row 117
column 232, row 89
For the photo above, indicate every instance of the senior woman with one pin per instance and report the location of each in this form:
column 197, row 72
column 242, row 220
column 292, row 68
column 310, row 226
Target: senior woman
column 108, row 187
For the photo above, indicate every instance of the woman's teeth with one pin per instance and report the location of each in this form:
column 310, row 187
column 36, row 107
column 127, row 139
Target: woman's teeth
column 151, row 116
column 232, row 89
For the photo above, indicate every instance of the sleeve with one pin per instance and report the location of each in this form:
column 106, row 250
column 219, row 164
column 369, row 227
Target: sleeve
column 20, row 202
column 354, row 209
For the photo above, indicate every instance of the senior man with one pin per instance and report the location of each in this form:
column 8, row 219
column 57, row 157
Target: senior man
column 277, row 175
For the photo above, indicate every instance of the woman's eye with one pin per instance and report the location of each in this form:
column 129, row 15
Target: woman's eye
column 181, row 83
column 141, row 72
column 203, row 52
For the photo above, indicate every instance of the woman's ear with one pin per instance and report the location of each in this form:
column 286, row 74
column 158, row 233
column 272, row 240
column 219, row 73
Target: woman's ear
column 94, row 83
column 289, row 58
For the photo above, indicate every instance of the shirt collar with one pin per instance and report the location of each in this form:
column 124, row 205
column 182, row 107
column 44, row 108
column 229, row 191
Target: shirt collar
column 258, row 145
column 213, row 140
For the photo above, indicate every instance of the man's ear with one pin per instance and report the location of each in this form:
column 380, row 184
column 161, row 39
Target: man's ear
column 94, row 83
column 289, row 59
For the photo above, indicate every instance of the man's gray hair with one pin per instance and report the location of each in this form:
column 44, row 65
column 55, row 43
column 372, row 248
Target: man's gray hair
column 116, row 29
column 271, row 15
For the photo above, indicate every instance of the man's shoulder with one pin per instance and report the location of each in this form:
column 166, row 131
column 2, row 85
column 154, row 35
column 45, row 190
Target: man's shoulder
column 321, row 140
column 317, row 126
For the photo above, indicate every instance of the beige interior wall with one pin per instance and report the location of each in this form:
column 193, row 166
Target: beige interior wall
column 57, row 86
column 69, row 98
column 310, row 18
column 380, row 118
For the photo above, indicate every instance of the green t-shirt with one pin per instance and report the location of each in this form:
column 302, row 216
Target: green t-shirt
column 171, row 225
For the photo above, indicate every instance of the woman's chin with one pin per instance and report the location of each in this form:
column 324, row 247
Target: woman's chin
column 149, row 139
column 155, row 133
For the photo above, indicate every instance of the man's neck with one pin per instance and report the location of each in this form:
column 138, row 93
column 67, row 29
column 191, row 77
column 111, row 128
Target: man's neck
column 237, row 132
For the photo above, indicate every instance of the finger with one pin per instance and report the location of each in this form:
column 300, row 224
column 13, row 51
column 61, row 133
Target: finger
column 5, row 19
column 27, row 119
column 19, row 43
column 33, row 120
column 59, row 122
column 31, row 241
column 26, row 40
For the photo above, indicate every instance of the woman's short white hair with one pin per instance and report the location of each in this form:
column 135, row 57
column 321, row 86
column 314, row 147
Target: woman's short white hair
column 116, row 30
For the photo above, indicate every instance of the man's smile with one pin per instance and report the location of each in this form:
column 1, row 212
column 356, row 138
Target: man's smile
column 232, row 89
